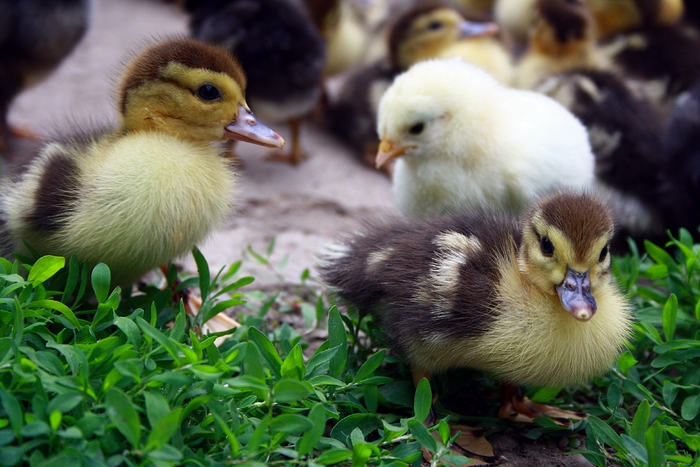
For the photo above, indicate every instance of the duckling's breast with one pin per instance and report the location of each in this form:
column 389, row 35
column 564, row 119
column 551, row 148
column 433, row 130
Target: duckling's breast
column 534, row 341
column 145, row 199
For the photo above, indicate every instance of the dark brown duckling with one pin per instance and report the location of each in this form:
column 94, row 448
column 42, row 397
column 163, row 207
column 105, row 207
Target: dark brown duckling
column 280, row 50
column 35, row 36
column 529, row 300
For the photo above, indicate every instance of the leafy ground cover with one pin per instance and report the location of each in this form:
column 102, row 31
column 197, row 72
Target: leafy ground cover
column 93, row 376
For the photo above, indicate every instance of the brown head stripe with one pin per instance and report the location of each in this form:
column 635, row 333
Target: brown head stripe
column 191, row 53
column 582, row 218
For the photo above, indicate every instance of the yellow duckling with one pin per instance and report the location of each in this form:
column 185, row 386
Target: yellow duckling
column 438, row 30
column 531, row 300
column 144, row 193
column 562, row 38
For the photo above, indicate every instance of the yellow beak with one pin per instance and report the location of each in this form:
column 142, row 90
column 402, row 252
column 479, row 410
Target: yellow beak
column 387, row 152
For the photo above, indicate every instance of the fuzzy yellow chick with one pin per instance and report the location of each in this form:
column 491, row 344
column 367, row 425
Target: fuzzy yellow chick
column 138, row 196
column 461, row 141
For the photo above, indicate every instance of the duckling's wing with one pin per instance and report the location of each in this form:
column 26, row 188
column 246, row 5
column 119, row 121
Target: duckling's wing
column 426, row 280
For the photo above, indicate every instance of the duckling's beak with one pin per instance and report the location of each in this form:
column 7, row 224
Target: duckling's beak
column 575, row 295
column 248, row 128
column 387, row 152
column 469, row 29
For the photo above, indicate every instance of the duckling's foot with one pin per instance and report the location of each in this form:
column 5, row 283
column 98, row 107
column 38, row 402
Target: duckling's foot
column 518, row 408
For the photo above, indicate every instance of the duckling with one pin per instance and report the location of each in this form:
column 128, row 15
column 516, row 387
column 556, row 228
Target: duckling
column 462, row 141
column 619, row 16
column 35, row 36
column 280, row 51
column 530, row 300
column 429, row 29
column 562, row 37
column 663, row 56
column 438, row 30
column 146, row 192
column 625, row 134
column 681, row 150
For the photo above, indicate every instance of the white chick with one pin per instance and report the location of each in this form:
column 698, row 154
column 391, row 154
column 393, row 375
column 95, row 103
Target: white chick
column 464, row 141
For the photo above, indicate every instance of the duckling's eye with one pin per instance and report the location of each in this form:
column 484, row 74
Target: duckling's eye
column 209, row 92
column 417, row 129
column 603, row 253
column 546, row 246
column 435, row 25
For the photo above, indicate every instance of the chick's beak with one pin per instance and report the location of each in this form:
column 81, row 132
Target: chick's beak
column 469, row 29
column 248, row 128
column 387, row 151
column 575, row 295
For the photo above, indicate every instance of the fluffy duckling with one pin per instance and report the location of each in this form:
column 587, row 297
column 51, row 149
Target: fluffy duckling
column 625, row 134
column 428, row 30
column 663, row 56
column 144, row 193
column 462, row 140
column 531, row 301
column 280, row 51
column 618, row 16
column 438, row 30
column 562, row 37
column 35, row 36
column 681, row 149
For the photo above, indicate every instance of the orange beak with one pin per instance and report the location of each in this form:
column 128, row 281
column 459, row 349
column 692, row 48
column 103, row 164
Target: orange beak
column 387, row 152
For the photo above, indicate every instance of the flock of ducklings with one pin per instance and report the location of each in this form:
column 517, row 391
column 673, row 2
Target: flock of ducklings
column 523, row 137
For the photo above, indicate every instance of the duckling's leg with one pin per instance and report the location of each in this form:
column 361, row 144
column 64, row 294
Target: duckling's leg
column 297, row 153
column 518, row 408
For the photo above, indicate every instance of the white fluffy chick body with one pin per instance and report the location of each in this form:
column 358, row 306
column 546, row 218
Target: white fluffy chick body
column 464, row 141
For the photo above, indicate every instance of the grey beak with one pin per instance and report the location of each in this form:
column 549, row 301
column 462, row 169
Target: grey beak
column 575, row 295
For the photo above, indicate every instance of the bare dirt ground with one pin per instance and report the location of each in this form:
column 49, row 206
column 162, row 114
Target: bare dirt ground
column 301, row 206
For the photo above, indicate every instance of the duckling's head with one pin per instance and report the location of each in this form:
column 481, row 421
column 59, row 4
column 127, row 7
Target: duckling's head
column 435, row 109
column 565, row 249
column 191, row 90
column 561, row 27
column 429, row 28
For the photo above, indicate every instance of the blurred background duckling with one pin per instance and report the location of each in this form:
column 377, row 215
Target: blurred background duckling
column 280, row 51
column 620, row 16
column 515, row 18
column 35, row 36
column 624, row 129
column 429, row 29
column 660, row 52
column 530, row 300
column 146, row 192
column 462, row 141
column 561, row 37
column 681, row 150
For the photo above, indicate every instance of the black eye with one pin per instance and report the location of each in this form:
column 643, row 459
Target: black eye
column 417, row 129
column 546, row 246
column 603, row 253
column 435, row 25
column 209, row 92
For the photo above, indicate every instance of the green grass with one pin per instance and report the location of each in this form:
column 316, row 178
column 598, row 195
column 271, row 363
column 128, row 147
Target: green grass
column 91, row 376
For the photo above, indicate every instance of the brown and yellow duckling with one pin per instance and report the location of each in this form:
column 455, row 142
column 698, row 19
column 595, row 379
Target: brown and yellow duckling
column 142, row 194
column 562, row 37
column 531, row 301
